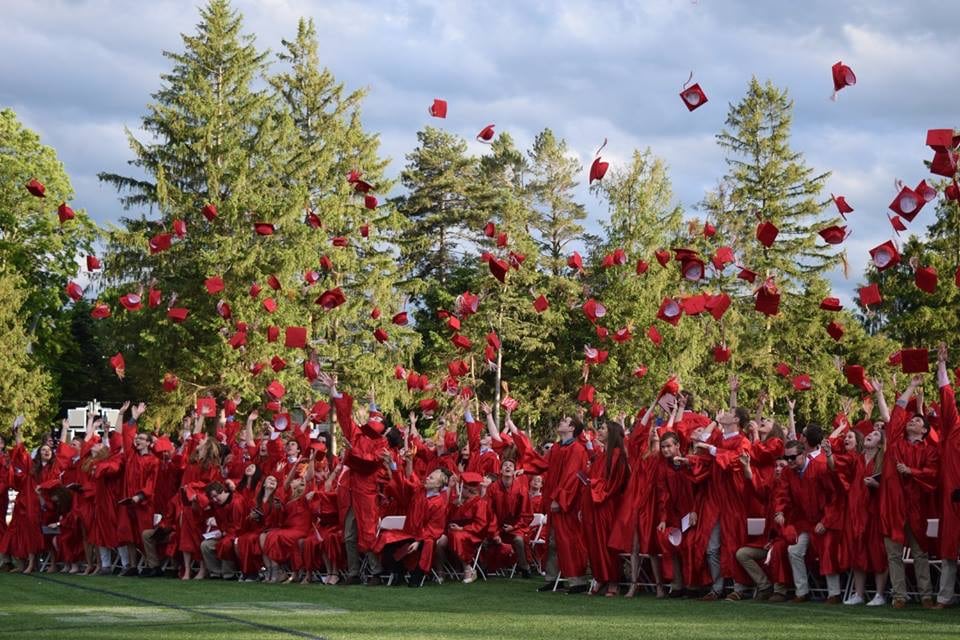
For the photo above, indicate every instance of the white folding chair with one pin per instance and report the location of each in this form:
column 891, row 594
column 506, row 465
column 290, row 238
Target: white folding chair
column 387, row 523
column 538, row 522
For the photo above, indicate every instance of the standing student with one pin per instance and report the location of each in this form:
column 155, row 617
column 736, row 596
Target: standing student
column 949, row 538
column 607, row 477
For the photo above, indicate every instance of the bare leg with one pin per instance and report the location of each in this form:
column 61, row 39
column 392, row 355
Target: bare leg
column 31, row 560
column 187, row 563
column 634, row 567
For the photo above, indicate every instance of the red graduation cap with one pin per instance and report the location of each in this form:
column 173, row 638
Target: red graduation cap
column 907, row 204
column 857, row 377
column 209, row 211
column 925, row 191
column 116, row 361
column 594, row 310
column 326, row 263
column 767, row 233
column 311, row 277
column 594, row 356
column 93, row 263
column 100, row 311
column 782, row 369
column 622, row 335
column 213, row 284
column 722, row 257
column 489, row 230
column 669, row 311
column 238, row 339
column 586, row 394
column 693, row 96
column 501, row 239
column 709, row 230
column 429, row 405
column 499, row 269
column 310, row 370
column 207, row 406
column 177, row 314
column 640, row 372
column 802, row 382
column 607, row 261
column 768, row 299
column 541, row 304
column 692, row 269
column 263, row 228
column 602, row 332
column 439, row 108
column 256, row 368
column 278, row 364
column 942, row 139
column 926, row 279
column 276, row 390
column 897, row 224
column 362, row 186
column 574, row 261
column 493, row 340
column 596, row 410
column 642, row 266
column 486, row 134
column 747, row 274
column 269, row 304
column 272, row 405
column 467, row 304
column 370, row 201
column 870, row 294
column 273, row 333
column 365, row 230
column 64, row 213
column 842, row 206
column 885, row 255
column 895, row 358
column 835, row 329
column 717, row 305
column 663, row 256
column 381, row 335
column 295, row 337
column 458, row 368
column 694, row 305
column 944, row 163
column 843, row 76
column 170, row 384
column 914, row 360
column 831, row 304
column 255, row 290
column 331, row 299
column 74, row 291
column 461, row 341
column 400, row 319
column 453, row 323
column 153, row 297
column 598, row 169
column 273, row 282
column 619, row 256
column 654, row 335
column 339, row 241
column 320, row 411
column 721, row 353
column 160, row 242
column 834, row 234
column 179, row 228
column 313, row 220
column 36, row 188
column 131, row 301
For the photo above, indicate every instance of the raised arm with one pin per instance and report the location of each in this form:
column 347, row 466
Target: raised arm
column 734, row 387
column 492, row 428
column 948, row 402
column 792, row 421
column 881, row 401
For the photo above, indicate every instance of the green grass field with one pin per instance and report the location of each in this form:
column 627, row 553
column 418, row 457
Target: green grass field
column 76, row 608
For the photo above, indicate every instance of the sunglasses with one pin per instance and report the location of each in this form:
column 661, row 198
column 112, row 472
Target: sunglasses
column 789, row 457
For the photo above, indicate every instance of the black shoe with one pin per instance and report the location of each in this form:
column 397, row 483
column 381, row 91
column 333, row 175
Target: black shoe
column 578, row 588
column 151, row 572
column 678, row 593
column 349, row 580
column 129, row 572
column 545, row 587
column 393, row 579
column 415, row 579
column 525, row 574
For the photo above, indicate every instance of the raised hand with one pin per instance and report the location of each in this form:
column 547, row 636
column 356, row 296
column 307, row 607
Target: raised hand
column 138, row 410
column 941, row 352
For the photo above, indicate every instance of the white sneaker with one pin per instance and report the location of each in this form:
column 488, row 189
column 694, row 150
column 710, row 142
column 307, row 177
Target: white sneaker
column 469, row 575
column 878, row 601
column 854, row 599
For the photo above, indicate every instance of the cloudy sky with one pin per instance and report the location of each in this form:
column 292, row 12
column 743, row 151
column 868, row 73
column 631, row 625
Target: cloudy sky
column 79, row 71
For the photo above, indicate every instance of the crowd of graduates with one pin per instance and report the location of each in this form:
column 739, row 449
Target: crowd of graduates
column 730, row 506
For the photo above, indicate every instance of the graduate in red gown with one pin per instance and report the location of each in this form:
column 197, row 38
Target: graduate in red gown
column 140, row 467
column 266, row 513
column 281, row 546
column 470, row 522
column 202, row 455
column 228, row 508
column 509, row 498
column 674, row 505
column 607, row 477
column 949, row 534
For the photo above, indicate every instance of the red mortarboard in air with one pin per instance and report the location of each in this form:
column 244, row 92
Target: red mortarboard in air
column 599, row 168
column 942, row 139
column 782, row 369
column 607, row 261
column 439, row 108
column 622, row 335
column 209, row 211
column 499, row 269
column 100, row 311
column 153, row 297
column 895, row 358
column 907, row 204
column 914, row 360
column 326, row 263
column 669, row 311
column 256, row 368
column 593, row 310
column 213, row 285
column 313, row 220
column 263, row 228
column 320, row 411
column 654, row 335
column 278, row 364
column 768, row 299
column 311, row 277
column 170, row 384
column 717, row 305
column 596, row 410
column 458, row 368
column 160, row 242
column 831, row 304
column 119, row 366
column 381, row 335
column 179, row 228
column 238, row 339
column 207, row 406
column 365, row 231
column 269, row 304
column 295, row 337
column 640, row 371
column 722, row 257
column 413, row 381
column 501, row 239
column 177, row 314
column 486, row 134
column 693, row 96
column 74, row 291
column 370, row 201
column 489, row 230
column 493, row 340
column 885, row 255
column 843, row 76
column 663, row 257
column 897, row 224
column 642, row 266
column 721, row 353
column 331, row 299
column 429, row 405
column 944, row 163
column 870, row 294
column 453, row 323
column 842, row 206
column 541, row 304
column 802, row 382
column 461, row 341
column 276, row 390
column 602, row 332
column 619, row 256
column 834, row 234
column 310, row 370
column 93, row 263
column 592, row 355
column 340, row 241
column 64, row 212
column 400, row 319
column 574, row 261
column 926, row 279
column 709, row 230
column 692, row 269
column 694, row 305
column 857, row 377
column 835, row 329
column 925, row 191
column 255, row 290
column 747, row 274
column 586, row 394
column 671, row 386
column 131, row 301
column 273, row 332
column 362, row 186
column 36, row 188
column 767, row 233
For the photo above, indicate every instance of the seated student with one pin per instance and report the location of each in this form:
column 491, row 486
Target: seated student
column 511, row 507
column 281, row 546
column 470, row 523
column 323, row 547
column 229, row 509
column 266, row 513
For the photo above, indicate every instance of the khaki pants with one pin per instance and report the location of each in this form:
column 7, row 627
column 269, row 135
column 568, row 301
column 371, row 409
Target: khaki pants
column 750, row 559
column 948, row 581
column 150, row 556
column 921, row 566
column 215, row 566
column 553, row 563
column 353, row 554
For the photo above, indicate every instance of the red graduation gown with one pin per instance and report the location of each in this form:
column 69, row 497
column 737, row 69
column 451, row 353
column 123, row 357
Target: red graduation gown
column 598, row 511
column 562, row 484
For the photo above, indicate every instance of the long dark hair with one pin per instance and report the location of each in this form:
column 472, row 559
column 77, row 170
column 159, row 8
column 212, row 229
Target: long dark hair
column 38, row 460
column 614, row 443
column 251, row 482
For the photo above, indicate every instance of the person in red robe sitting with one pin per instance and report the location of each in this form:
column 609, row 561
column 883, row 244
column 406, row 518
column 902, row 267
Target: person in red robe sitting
column 509, row 499
column 281, row 546
column 229, row 508
column 470, row 523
